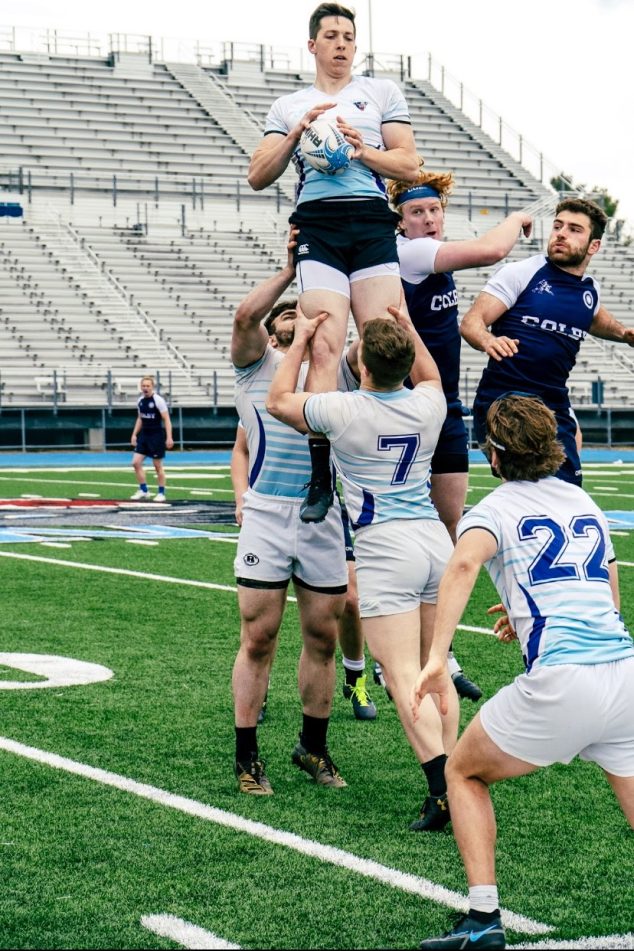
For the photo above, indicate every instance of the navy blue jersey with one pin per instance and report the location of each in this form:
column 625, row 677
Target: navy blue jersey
column 432, row 301
column 550, row 313
column 150, row 409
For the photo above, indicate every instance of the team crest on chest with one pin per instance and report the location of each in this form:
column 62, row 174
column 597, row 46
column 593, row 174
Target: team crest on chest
column 360, row 105
column 588, row 299
column 543, row 288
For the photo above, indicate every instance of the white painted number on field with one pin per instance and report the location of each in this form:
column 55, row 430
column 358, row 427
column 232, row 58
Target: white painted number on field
column 57, row 671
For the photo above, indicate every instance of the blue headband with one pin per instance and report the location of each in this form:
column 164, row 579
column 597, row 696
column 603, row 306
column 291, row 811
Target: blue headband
column 418, row 191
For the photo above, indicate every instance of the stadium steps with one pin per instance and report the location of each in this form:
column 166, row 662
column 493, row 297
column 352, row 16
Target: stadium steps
column 237, row 121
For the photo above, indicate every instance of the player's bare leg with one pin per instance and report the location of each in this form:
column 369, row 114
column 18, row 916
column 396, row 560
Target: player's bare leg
column 623, row 787
column 475, row 763
column 325, row 353
column 261, row 615
column 395, row 642
column 449, row 493
column 142, row 494
column 352, row 642
column 319, row 618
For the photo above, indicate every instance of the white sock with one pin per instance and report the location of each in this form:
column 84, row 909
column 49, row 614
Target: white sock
column 484, row 898
column 452, row 663
column 354, row 664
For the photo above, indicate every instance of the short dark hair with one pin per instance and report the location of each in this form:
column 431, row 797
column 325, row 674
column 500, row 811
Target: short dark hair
column 583, row 206
column 523, row 431
column 388, row 351
column 280, row 308
column 328, row 10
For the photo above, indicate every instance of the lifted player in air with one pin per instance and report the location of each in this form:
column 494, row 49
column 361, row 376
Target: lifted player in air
column 547, row 548
column 346, row 251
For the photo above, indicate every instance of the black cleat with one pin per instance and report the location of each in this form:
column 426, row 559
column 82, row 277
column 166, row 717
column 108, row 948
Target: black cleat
column 362, row 706
column 434, row 815
column 318, row 500
column 466, row 688
column 469, row 933
column 252, row 779
column 319, row 766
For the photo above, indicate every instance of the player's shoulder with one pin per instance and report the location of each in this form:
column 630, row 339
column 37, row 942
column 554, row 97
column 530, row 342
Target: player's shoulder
column 160, row 402
column 525, row 267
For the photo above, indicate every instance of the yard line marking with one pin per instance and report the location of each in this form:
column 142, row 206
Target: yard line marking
column 185, row 933
column 229, row 820
column 118, row 571
column 617, row 941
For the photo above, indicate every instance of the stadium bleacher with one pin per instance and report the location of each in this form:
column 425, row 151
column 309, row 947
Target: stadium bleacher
column 137, row 234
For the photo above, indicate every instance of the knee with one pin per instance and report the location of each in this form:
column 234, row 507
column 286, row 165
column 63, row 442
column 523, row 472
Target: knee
column 258, row 644
column 321, row 641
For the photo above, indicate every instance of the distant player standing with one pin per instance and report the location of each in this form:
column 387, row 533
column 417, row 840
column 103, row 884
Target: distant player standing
column 346, row 250
column 383, row 437
column 151, row 436
column 532, row 317
column 547, row 548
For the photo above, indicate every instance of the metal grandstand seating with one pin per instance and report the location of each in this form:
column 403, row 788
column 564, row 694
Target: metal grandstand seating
column 109, row 279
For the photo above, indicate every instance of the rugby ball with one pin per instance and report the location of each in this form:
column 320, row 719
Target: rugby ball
column 324, row 147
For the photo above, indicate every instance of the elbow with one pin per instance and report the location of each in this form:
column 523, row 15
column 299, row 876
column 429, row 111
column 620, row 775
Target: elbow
column 254, row 181
column 411, row 173
column 273, row 406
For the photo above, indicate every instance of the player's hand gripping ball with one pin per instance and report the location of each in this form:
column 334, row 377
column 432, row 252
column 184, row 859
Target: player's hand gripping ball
column 324, row 147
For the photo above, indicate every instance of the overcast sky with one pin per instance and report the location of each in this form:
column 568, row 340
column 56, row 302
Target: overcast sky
column 560, row 72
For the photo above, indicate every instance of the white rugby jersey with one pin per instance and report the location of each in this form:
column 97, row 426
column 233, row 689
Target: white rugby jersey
column 279, row 459
column 551, row 572
column 382, row 444
column 365, row 103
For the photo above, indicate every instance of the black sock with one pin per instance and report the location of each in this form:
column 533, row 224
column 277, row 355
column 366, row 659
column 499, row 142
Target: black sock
column 486, row 917
column 434, row 770
column 319, row 448
column 246, row 743
column 313, row 735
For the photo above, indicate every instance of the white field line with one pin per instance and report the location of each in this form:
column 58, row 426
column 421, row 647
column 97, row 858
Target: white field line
column 129, row 484
column 402, row 881
column 184, row 933
column 168, row 579
column 616, row 941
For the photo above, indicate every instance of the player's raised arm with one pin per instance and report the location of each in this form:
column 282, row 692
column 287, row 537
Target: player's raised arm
column 484, row 311
column 282, row 401
column 486, row 250
column 424, row 369
column 249, row 337
column 608, row 327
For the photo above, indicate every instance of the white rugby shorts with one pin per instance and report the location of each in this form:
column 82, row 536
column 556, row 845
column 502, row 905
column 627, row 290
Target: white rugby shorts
column 558, row 712
column 275, row 545
column 399, row 564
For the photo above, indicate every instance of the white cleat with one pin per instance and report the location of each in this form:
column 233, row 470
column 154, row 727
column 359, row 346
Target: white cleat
column 141, row 496
column 160, row 497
